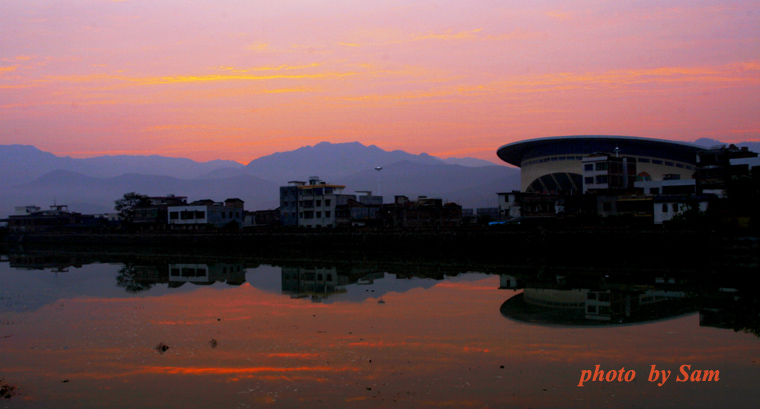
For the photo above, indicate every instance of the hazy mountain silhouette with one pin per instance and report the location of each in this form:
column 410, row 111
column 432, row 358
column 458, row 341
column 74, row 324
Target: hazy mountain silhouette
column 709, row 143
column 470, row 162
column 24, row 163
column 326, row 160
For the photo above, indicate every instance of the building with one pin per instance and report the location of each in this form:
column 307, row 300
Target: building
column 606, row 171
column 555, row 164
column 717, row 166
column 155, row 215
column 207, row 213
column 315, row 204
column 57, row 218
column 365, row 210
column 423, row 213
column 260, row 218
column 670, row 206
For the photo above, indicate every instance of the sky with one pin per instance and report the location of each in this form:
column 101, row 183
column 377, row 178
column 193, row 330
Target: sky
column 240, row 79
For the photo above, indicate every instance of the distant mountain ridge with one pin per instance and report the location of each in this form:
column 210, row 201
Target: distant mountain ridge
column 326, row 160
column 710, row 143
column 24, row 163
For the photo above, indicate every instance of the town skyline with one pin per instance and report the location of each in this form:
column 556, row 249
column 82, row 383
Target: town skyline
column 238, row 81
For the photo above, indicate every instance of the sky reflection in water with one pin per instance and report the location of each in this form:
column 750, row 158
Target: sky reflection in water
column 76, row 339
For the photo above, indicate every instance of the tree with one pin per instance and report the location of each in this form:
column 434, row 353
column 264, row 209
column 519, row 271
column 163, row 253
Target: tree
column 126, row 205
column 130, row 280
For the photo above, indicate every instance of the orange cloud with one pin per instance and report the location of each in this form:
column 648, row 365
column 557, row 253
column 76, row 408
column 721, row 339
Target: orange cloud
column 253, row 370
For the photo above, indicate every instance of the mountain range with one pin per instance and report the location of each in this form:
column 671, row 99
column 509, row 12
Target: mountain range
column 29, row 176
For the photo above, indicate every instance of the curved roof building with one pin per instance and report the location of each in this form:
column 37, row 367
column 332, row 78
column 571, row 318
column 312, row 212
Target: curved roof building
column 554, row 164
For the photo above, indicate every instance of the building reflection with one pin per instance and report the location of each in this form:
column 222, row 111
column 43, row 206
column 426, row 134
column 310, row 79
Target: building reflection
column 317, row 283
column 594, row 299
column 53, row 262
column 139, row 277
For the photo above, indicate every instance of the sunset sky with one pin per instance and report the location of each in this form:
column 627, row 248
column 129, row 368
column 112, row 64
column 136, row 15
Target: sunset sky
column 239, row 79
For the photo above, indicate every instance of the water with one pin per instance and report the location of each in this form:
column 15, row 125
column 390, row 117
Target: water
column 86, row 331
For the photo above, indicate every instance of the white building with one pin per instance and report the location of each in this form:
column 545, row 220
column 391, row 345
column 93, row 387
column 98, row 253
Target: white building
column 207, row 212
column 667, row 207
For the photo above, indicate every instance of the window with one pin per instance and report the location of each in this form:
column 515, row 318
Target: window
column 644, row 160
column 200, row 214
column 319, row 214
column 588, row 167
column 601, row 166
column 664, row 207
column 669, row 164
column 319, row 203
column 327, row 215
column 327, row 202
column 329, row 277
column 657, row 161
column 675, row 207
column 319, row 277
column 589, row 180
column 591, row 309
column 654, row 191
column 601, row 179
column 173, row 215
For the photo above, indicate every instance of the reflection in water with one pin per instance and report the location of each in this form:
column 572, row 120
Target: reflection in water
column 580, row 299
column 244, row 332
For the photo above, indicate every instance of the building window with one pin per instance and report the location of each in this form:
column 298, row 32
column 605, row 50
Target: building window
column 601, row 166
column 654, row 191
column 200, row 214
column 327, row 215
column 607, row 206
column 669, row 164
column 664, row 207
column 657, row 161
column 675, row 207
column 589, row 180
column 588, row 167
column 319, row 214
column 173, row 215
column 319, row 203
column 327, row 202
column 601, row 179
column 644, row 160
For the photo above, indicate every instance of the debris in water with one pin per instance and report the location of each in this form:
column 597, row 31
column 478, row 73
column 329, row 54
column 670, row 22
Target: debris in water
column 212, row 343
column 161, row 347
column 7, row 390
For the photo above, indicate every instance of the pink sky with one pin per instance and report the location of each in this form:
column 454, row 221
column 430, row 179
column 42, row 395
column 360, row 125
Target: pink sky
column 242, row 79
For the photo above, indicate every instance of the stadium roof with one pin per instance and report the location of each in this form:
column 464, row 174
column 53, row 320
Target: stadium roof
column 514, row 153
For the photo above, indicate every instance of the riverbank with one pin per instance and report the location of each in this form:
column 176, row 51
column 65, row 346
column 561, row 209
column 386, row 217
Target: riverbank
column 603, row 245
